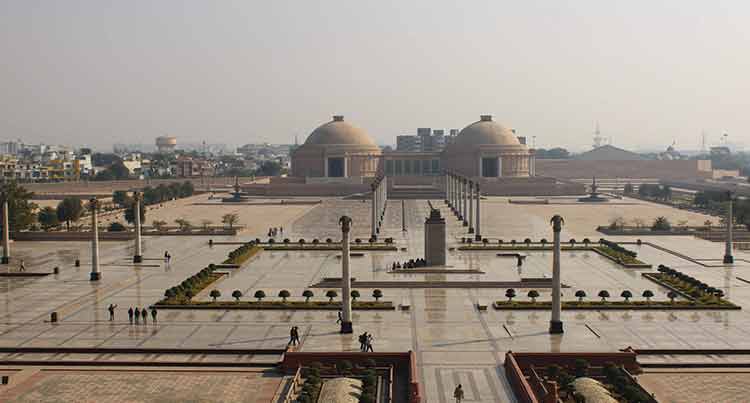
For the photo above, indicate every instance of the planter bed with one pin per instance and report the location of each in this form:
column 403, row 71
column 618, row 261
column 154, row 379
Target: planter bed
column 680, row 288
column 521, row 247
column 325, row 247
column 293, row 305
column 612, row 305
column 602, row 251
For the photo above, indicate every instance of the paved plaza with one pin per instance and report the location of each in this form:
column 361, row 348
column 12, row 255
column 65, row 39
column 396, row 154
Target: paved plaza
column 453, row 341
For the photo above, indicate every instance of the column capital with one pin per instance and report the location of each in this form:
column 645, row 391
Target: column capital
column 557, row 222
column 346, row 223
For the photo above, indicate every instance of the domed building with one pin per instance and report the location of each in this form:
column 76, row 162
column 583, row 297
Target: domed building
column 336, row 149
column 489, row 150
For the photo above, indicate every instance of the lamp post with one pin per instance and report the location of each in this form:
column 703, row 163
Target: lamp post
column 96, row 273
column 138, row 257
column 555, row 324
column 346, row 280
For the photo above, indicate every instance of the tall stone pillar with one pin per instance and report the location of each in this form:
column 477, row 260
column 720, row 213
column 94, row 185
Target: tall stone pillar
column 728, row 258
column 446, row 188
column 464, row 212
column 434, row 238
column 555, row 324
column 459, row 198
column 138, row 257
column 471, row 207
column 346, row 278
column 96, row 273
column 6, row 231
column 403, row 215
column 452, row 193
column 374, row 232
column 477, row 227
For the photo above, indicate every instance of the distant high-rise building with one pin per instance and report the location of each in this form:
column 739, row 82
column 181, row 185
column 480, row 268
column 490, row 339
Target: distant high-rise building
column 426, row 140
column 408, row 143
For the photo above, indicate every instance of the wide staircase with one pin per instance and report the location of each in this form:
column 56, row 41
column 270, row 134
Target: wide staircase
column 424, row 192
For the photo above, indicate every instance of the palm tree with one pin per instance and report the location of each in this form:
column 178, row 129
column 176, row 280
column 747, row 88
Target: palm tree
column 648, row 294
column 671, row 295
column 237, row 294
column 355, row 295
column 215, row 294
column 260, row 294
column 284, row 294
column 580, row 294
column 307, row 294
column 533, row 294
column 377, row 294
column 331, row 294
column 604, row 294
column 627, row 295
column 510, row 294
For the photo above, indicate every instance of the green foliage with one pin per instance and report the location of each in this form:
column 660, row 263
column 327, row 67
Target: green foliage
column 307, row 294
column 510, row 294
column 354, row 294
column 580, row 294
column 237, row 294
column 116, row 227
column 260, row 294
column 48, row 218
column 533, row 294
column 603, row 294
column 331, row 294
column 377, row 294
column 661, row 224
column 215, row 294
column 627, row 295
column 230, row 219
column 284, row 294
column 120, row 198
column 69, row 210
column 130, row 212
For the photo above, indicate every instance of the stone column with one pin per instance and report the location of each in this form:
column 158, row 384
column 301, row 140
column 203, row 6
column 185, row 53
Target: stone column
column 6, row 231
column 403, row 216
column 728, row 258
column 434, row 238
column 138, row 257
column 465, row 211
column 459, row 197
column 471, row 207
column 374, row 232
column 451, row 193
column 477, row 227
column 96, row 274
column 346, row 279
column 446, row 188
column 555, row 324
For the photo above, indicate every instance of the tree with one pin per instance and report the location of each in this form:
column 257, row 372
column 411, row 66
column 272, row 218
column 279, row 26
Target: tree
column 510, row 294
column 284, row 294
column 628, row 188
column 377, row 294
column 661, row 224
column 331, row 294
column 527, row 241
column 648, row 294
column 355, row 295
column 230, row 219
column 237, row 294
column 205, row 224
column 187, row 189
column 189, row 294
column 260, row 295
column 130, row 212
column 215, row 294
column 159, row 224
column 627, row 295
column 48, row 218
column 116, row 227
column 307, row 294
column 581, row 367
column 20, row 207
column 604, row 294
column 533, row 294
column 120, row 198
column 184, row 224
column 617, row 223
column 116, row 171
column 69, row 209
column 269, row 168
column 580, row 294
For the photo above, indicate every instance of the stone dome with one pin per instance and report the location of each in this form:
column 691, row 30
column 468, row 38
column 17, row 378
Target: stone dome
column 339, row 132
column 486, row 132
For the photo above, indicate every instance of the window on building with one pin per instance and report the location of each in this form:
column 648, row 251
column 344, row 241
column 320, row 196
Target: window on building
column 389, row 167
column 399, row 167
column 407, row 167
column 435, row 167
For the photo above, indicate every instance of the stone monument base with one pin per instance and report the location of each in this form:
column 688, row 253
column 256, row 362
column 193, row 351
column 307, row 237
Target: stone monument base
column 556, row 327
column 346, row 327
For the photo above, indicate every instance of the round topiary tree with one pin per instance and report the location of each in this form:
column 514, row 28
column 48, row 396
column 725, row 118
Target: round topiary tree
column 377, row 294
column 331, row 294
column 355, row 295
column 543, row 241
column 627, row 295
column 580, row 294
column 533, row 294
column 603, row 294
column 260, row 294
column 648, row 294
column 284, row 294
column 672, row 295
column 286, row 241
column 237, row 294
column 358, row 241
column 510, row 294
column 329, row 240
column 527, row 241
column 215, row 294
column 189, row 294
column 586, row 242
column 307, row 294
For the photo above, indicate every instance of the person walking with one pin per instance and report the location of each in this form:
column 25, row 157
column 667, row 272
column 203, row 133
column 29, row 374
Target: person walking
column 153, row 314
column 130, row 315
column 339, row 319
column 362, row 341
column 22, row 267
column 296, row 335
column 137, row 315
column 368, row 347
column 292, row 340
column 458, row 393
column 144, row 314
column 111, row 310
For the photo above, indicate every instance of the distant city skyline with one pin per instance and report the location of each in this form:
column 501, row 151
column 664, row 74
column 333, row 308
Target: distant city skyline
column 94, row 74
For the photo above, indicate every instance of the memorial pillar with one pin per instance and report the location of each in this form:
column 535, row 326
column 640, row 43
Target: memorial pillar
column 138, row 257
column 728, row 258
column 555, row 324
column 471, row 207
column 6, row 231
column 465, row 211
column 374, row 233
column 446, row 188
column 477, row 227
column 346, row 280
column 96, row 273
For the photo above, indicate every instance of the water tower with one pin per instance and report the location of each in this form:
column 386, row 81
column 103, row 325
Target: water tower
column 166, row 144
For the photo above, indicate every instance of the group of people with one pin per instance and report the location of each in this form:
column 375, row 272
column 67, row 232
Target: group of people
column 411, row 264
column 272, row 232
column 365, row 342
column 135, row 314
column 294, row 336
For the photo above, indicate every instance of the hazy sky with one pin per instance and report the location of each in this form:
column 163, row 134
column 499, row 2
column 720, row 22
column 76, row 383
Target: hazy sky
column 100, row 72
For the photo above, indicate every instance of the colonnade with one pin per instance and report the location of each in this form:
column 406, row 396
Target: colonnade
column 463, row 196
column 379, row 189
